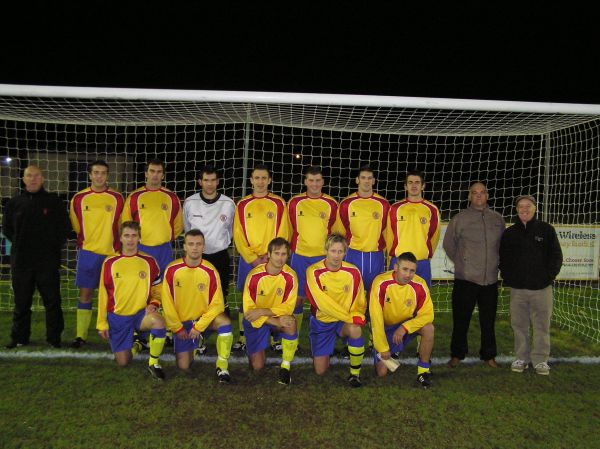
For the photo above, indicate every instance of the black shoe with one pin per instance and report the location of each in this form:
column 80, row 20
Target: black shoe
column 276, row 346
column 200, row 350
column 238, row 346
column 156, row 371
column 223, row 376
column 78, row 343
column 344, row 353
column 284, row 376
column 55, row 344
column 15, row 344
column 354, row 381
column 395, row 355
column 424, row 380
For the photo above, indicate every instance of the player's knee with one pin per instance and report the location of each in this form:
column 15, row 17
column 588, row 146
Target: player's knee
column 221, row 320
column 427, row 330
column 354, row 331
column 380, row 369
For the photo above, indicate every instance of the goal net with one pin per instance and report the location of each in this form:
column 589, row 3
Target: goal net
column 548, row 150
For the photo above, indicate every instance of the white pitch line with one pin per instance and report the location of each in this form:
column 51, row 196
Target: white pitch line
column 237, row 359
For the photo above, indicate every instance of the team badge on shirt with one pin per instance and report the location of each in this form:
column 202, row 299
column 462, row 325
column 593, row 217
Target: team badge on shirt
column 108, row 208
column 223, row 218
column 376, row 215
column 322, row 215
column 270, row 215
column 408, row 302
column 279, row 291
column 201, row 287
column 163, row 206
column 346, row 288
column 423, row 220
column 142, row 275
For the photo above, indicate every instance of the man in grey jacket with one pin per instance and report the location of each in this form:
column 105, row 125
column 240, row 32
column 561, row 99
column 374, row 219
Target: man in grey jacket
column 472, row 242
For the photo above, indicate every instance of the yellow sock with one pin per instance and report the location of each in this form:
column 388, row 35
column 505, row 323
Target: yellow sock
column 357, row 353
column 298, row 317
column 288, row 349
column 224, row 342
column 84, row 318
column 156, row 348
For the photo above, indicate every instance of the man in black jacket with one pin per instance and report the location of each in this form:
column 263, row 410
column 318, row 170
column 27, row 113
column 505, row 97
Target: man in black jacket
column 37, row 224
column 530, row 260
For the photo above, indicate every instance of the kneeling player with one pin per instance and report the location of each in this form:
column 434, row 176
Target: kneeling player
column 400, row 308
column 192, row 301
column 128, row 300
column 337, row 297
column 270, row 294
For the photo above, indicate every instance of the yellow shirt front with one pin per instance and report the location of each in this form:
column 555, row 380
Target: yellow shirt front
column 414, row 227
column 311, row 221
column 364, row 221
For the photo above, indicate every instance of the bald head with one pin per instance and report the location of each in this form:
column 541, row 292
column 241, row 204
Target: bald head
column 33, row 178
column 478, row 195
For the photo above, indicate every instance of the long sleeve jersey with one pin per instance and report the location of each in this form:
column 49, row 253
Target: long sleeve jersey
column 257, row 221
column 311, row 221
column 127, row 285
column 364, row 221
column 213, row 217
column 157, row 211
column 414, row 227
column 336, row 295
column 265, row 291
column 95, row 218
column 191, row 293
column 393, row 303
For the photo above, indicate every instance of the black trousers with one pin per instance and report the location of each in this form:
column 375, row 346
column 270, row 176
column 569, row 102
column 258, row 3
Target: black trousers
column 24, row 282
column 222, row 263
column 465, row 295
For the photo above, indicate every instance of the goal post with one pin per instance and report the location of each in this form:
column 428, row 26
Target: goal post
column 549, row 150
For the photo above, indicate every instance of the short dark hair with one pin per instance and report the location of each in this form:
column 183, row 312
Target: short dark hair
column 193, row 233
column 313, row 170
column 155, row 161
column 130, row 225
column 415, row 173
column 98, row 162
column 208, row 170
column 366, row 168
column 407, row 257
column 261, row 167
column 278, row 242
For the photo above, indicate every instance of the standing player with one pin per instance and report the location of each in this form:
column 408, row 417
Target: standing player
column 400, row 308
column 259, row 218
column 128, row 300
column 363, row 216
column 312, row 215
column 158, row 212
column 414, row 226
column 337, row 297
column 270, row 294
column 212, row 213
column 192, row 301
column 95, row 212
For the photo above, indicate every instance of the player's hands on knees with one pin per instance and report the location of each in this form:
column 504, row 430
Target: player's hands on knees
column 183, row 335
column 103, row 334
column 253, row 315
column 385, row 355
column 399, row 335
column 194, row 334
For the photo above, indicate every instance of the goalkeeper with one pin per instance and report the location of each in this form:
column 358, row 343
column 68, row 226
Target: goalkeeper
column 401, row 308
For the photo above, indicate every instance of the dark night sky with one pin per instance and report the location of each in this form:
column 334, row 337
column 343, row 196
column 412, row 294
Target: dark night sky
column 548, row 53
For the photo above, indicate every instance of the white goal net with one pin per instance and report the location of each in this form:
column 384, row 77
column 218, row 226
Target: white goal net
column 549, row 150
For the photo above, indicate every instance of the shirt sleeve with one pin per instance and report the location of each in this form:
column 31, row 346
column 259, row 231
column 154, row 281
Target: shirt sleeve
column 102, row 321
column 324, row 302
column 178, row 222
column 377, row 322
column 73, row 217
column 424, row 314
column 449, row 243
column 241, row 245
column 215, row 308
column 169, row 311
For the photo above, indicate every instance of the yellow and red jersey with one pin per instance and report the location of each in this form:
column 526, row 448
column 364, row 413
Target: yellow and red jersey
column 364, row 221
column 311, row 221
column 413, row 226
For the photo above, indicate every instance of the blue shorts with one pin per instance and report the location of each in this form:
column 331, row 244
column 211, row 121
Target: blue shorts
column 120, row 329
column 242, row 273
column 180, row 345
column 369, row 264
column 423, row 269
column 89, row 267
column 258, row 339
column 162, row 253
column 389, row 334
column 299, row 264
column 322, row 336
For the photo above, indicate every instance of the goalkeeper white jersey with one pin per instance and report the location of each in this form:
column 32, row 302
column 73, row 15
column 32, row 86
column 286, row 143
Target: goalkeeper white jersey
column 213, row 217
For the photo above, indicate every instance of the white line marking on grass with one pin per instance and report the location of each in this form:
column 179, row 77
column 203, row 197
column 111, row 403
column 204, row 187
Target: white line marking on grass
column 239, row 359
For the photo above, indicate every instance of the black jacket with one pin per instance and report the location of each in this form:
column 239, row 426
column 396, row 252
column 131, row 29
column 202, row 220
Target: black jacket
column 37, row 224
column 530, row 256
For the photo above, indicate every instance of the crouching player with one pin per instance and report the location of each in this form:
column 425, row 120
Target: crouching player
column 192, row 302
column 128, row 300
column 337, row 297
column 401, row 308
column 270, row 295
